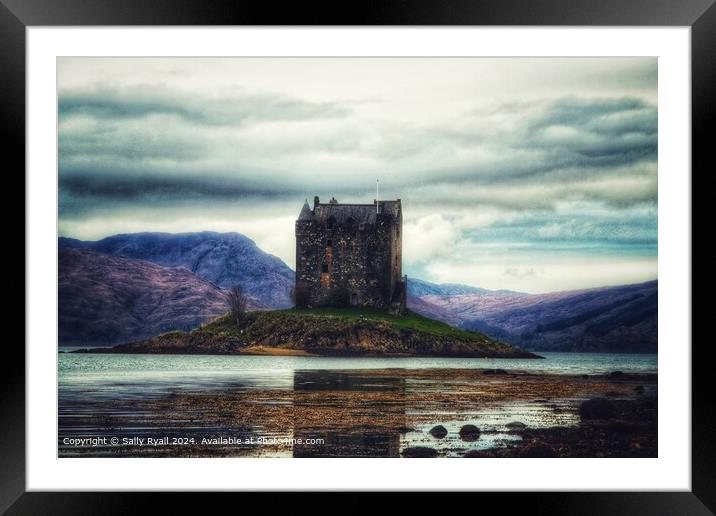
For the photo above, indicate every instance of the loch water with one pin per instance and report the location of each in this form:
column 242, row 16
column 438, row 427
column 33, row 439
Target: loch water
column 116, row 396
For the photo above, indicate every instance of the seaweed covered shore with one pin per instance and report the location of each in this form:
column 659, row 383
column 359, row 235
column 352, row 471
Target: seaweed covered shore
column 388, row 413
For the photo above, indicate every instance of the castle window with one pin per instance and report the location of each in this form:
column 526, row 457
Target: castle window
column 329, row 243
column 331, row 222
column 324, row 267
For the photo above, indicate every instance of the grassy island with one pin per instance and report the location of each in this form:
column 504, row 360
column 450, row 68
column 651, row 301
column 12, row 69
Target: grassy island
column 325, row 331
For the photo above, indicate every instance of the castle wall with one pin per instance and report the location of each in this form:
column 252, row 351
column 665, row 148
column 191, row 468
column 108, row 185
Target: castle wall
column 348, row 264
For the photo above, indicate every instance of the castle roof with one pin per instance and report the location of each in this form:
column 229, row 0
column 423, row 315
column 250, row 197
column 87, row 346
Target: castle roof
column 361, row 213
column 340, row 213
column 306, row 213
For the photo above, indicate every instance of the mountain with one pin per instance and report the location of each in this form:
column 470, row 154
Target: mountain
column 607, row 319
column 432, row 310
column 106, row 299
column 223, row 259
column 610, row 319
column 420, row 288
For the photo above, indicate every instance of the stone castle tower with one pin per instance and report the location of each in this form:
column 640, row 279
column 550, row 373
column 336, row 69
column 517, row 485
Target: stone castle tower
column 350, row 255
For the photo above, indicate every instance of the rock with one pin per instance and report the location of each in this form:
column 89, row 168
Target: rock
column 495, row 371
column 597, row 408
column 475, row 453
column 438, row 431
column 616, row 374
column 420, row 452
column 469, row 433
column 516, row 425
column 537, row 450
column 639, row 389
column 619, row 427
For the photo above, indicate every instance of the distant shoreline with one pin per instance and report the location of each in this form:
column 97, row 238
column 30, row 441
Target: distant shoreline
column 97, row 350
column 283, row 352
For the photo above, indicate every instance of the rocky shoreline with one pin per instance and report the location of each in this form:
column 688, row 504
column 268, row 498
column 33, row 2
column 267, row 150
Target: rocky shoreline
column 397, row 413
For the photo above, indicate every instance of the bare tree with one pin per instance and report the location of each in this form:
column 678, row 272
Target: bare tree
column 237, row 303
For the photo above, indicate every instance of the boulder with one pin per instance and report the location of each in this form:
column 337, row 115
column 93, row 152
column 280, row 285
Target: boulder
column 420, row 452
column 597, row 408
column 439, row 431
column 469, row 433
column 537, row 450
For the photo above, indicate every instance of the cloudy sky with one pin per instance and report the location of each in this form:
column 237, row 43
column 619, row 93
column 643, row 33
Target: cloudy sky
column 527, row 174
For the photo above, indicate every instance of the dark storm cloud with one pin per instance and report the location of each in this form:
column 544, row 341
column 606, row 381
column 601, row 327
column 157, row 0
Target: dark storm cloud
column 154, row 130
column 111, row 143
column 606, row 131
column 138, row 102
column 102, row 189
column 595, row 135
column 112, row 149
column 605, row 116
column 82, row 191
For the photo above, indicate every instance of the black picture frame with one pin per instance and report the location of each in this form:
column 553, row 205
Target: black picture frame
column 700, row 15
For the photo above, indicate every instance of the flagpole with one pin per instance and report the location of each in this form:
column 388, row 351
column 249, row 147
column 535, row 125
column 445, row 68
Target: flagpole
column 377, row 196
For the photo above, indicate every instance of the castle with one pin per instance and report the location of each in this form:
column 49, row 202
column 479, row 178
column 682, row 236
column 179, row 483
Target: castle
column 350, row 255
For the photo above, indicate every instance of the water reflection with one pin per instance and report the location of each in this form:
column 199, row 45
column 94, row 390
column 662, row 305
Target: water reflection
column 340, row 433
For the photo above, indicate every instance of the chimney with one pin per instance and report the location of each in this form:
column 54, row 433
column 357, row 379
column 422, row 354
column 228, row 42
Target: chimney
column 316, row 202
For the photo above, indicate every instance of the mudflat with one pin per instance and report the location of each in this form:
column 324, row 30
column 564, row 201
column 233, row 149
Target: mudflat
column 388, row 413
